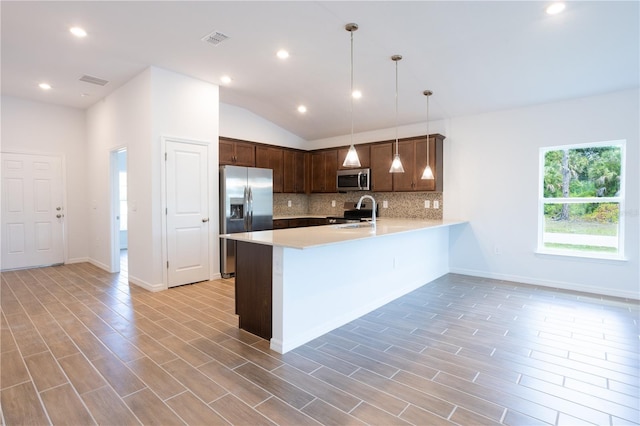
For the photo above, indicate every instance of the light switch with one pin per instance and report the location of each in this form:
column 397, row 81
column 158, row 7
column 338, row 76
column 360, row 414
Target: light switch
column 427, row 204
column 333, row 203
column 436, row 204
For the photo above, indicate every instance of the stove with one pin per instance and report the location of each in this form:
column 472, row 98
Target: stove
column 352, row 214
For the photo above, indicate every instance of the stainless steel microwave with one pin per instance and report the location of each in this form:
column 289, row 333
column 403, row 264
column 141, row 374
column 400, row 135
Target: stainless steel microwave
column 354, row 180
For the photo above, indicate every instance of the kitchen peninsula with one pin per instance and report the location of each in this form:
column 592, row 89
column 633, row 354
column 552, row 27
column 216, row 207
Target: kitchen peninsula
column 294, row 285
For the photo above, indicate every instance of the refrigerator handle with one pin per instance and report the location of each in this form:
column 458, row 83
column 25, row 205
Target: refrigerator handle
column 246, row 209
column 250, row 209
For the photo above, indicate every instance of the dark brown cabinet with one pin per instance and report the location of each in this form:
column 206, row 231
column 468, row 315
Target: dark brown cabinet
column 324, row 165
column 381, row 157
column 272, row 158
column 363, row 154
column 236, row 153
column 293, row 172
column 413, row 153
column 254, row 288
column 299, row 222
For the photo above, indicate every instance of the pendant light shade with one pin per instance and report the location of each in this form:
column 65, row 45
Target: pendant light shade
column 428, row 173
column 351, row 159
column 396, row 164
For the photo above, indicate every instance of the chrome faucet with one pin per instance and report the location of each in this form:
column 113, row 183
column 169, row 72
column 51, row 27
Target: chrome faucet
column 373, row 209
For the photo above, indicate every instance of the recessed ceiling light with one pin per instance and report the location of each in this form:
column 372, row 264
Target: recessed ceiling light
column 356, row 94
column 78, row 32
column 282, row 54
column 555, row 8
column 225, row 79
column 302, row 109
column 44, row 86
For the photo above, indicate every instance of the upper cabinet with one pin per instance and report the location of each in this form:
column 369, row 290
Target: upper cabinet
column 297, row 171
column 381, row 156
column 324, row 165
column 294, row 171
column 272, row 158
column 363, row 154
column 413, row 154
column 236, row 153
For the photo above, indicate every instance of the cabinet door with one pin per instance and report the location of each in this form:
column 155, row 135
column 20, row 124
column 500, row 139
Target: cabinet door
column 300, row 163
column 421, row 163
column 226, row 152
column 236, row 153
column 405, row 181
column 381, row 157
column 330, row 168
column 293, row 171
column 272, row 158
column 318, row 182
column 245, row 154
column 363, row 155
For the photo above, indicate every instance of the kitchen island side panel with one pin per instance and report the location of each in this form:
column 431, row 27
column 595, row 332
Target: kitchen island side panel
column 319, row 289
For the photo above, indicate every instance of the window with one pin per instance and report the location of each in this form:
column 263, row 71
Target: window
column 581, row 199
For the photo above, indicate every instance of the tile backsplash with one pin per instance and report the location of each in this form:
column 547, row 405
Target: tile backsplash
column 400, row 204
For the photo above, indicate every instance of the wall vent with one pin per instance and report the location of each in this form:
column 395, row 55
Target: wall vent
column 93, row 80
column 215, row 38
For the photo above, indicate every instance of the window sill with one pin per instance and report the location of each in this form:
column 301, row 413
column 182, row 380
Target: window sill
column 582, row 255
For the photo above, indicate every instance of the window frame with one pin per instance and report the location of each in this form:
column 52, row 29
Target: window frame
column 620, row 200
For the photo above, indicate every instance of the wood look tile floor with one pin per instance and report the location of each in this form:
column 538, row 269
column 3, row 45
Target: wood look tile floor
column 80, row 346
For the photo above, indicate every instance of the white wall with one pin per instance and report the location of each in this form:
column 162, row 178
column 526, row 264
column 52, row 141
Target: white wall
column 154, row 104
column 240, row 123
column 184, row 108
column 35, row 127
column 491, row 179
column 122, row 119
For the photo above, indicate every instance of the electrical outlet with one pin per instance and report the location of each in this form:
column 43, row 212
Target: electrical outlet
column 289, row 203
column 385, row 204
column 427, row 204
column 436, row 204
column 333, row 203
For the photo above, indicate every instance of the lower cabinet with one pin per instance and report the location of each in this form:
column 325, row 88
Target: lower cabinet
column 253, row 287
column 299, row 222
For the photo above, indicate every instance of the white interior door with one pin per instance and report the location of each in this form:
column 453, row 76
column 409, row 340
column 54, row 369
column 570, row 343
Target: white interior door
column 187, row 198
column 32, row 211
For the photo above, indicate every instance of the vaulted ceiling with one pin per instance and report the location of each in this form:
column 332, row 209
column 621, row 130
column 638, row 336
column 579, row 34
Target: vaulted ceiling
column 476, row 56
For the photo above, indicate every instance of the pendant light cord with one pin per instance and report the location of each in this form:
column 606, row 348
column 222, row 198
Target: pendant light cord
column 351, row 95
column 428, row 165
column 396, row 107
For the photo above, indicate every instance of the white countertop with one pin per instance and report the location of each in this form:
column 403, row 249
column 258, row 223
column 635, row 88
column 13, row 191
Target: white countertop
column 301, row 216
column 315, row 236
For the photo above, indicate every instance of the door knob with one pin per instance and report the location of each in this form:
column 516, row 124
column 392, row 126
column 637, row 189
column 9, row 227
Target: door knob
column 206, row 219
column 59, row 215
column 58, row 208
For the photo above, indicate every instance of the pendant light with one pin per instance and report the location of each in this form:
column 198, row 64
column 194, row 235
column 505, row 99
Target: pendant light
column 396, row 164
column 351, row 159
column 428, row 173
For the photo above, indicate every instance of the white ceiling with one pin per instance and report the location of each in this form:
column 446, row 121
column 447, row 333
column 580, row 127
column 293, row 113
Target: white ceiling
column 476, row 56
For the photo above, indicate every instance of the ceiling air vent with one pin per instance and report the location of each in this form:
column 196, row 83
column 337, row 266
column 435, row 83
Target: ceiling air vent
column 215, row 38
column 93, row 80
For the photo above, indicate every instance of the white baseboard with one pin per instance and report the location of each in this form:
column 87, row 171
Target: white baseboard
column 77, row 260
column 146, row 285
column 99, row 265
column 546, row 283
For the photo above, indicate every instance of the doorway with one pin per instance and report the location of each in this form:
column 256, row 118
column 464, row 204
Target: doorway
column 119, row 208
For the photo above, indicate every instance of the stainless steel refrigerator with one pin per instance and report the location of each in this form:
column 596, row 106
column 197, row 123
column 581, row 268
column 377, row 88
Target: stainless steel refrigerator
column 246, row 204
